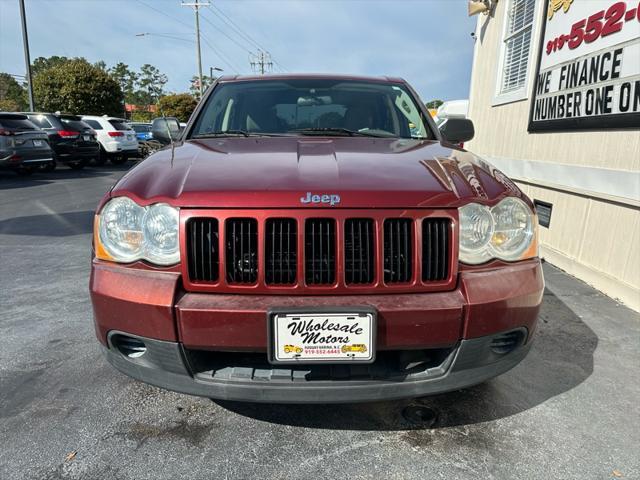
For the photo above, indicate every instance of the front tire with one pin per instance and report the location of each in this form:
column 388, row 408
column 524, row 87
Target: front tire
column 24, row 171
column 79, row 165
column 50, row 167
column 119, row 159
column 101, row 159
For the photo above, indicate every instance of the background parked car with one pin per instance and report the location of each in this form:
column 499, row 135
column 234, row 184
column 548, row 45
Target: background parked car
column 143, row 130
column 451, row 109
column 73, row 142
column 117, row 139
column 23, row 146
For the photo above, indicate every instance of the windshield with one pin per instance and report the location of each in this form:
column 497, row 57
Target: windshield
column 311, row 106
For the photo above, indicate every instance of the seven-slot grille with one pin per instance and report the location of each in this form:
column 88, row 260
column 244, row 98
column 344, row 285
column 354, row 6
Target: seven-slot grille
column 357, row 245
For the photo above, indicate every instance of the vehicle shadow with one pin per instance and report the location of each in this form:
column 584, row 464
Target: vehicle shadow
column 51, row 225
column 561, row 359
column 9, row 180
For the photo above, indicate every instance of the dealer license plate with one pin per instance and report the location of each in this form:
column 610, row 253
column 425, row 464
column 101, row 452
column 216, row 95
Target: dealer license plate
column 37, row 143
column 323, row 337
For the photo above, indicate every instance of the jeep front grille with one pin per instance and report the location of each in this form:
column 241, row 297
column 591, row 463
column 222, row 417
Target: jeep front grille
column 294, row 251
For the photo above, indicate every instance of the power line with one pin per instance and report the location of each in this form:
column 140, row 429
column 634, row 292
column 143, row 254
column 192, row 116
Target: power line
column 223, row 33
column 221, row 55
column 164, row 14
column 222, row 16
column 243, row 34
column 204, row 39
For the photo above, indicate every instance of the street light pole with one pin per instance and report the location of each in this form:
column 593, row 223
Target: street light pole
column 211, row 69
column 27, row 59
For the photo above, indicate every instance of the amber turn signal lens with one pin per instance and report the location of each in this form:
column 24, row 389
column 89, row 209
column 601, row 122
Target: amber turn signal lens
column 101, row 253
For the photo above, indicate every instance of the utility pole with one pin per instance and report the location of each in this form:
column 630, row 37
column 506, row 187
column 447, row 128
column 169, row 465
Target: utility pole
column 27, row 59
column 261, row 62
column 196, row 7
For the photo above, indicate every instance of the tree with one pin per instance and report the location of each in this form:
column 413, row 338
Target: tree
column 193, row 86
column 179, row 105
column 44, row 63
column 126, row 78
column 434, row 103
column 13, row 96
column 151, row 84
column 101, row 65
column 76, row 86
column 10, row 106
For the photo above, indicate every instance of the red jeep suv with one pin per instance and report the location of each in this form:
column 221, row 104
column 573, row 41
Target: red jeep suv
column 313, row 238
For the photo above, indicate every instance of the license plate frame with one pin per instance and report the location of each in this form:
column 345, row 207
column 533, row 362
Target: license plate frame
column 362, row 313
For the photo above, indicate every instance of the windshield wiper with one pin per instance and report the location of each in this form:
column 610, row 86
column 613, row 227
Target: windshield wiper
column 336, row 130
column 236, row 133
column 225, row 133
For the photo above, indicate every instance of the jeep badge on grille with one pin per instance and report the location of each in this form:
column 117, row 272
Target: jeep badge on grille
column 330, row 199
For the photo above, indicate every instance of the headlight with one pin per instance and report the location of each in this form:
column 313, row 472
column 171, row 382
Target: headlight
column 160, row 232
column 476, row 229
column 126, row 232
column 507, row 231
column 514, row 229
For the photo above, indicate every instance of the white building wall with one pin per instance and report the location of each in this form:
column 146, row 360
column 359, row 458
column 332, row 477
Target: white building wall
column 592, row 178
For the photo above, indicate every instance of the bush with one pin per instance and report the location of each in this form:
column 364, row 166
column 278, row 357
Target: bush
column 76, row 86
column 10, row 106
column 180, row 105
column 13, row 96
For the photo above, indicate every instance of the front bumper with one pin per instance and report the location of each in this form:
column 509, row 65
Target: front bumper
column 166, row 365
column 151, row 305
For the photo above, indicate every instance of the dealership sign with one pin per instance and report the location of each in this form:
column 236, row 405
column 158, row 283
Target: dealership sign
column 589, row 66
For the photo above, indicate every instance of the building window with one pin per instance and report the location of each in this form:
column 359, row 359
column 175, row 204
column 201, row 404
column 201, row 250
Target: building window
column 516, row 45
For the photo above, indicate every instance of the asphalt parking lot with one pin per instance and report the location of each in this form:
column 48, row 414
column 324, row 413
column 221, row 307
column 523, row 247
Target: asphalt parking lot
column 570, row 410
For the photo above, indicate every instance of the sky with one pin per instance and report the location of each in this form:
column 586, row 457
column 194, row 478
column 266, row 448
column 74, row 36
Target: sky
column 427, row 42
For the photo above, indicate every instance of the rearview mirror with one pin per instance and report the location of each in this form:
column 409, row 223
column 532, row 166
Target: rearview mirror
column 457, row 130
column 164, row 130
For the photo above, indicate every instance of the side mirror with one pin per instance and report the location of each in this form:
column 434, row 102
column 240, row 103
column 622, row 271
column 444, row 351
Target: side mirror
column 457, row 130
column 161, row 127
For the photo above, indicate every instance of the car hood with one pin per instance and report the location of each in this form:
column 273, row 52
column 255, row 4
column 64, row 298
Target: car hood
column 278, row 172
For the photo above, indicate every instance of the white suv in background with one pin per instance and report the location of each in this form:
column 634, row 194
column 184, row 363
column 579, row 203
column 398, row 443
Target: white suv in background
column 117, row 139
